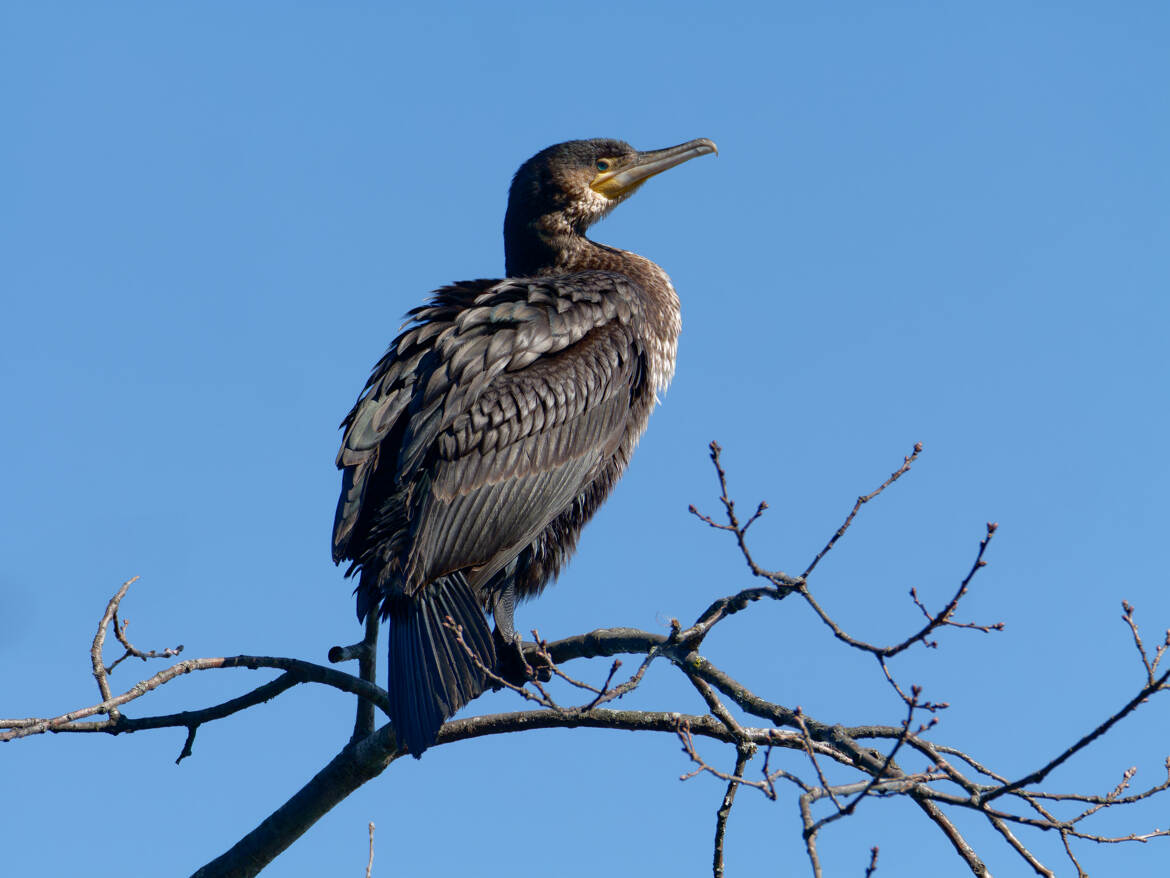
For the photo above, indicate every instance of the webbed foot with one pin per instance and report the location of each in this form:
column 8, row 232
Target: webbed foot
column 519, row 661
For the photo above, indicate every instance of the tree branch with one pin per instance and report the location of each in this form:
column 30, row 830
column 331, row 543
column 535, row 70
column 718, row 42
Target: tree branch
column 787, row 733
column 300, row 671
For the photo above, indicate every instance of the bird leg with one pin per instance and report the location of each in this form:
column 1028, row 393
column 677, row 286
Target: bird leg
column 517, row 661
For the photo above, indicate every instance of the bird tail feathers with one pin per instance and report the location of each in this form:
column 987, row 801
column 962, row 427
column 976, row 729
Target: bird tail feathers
column 432, row 674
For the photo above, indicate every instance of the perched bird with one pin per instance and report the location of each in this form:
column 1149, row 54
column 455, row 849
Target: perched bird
column 498, row 422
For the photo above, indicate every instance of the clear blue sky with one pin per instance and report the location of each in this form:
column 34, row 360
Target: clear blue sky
column 934, row 222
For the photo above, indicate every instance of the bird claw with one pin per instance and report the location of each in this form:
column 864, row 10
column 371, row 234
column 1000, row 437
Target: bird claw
column 519, row 662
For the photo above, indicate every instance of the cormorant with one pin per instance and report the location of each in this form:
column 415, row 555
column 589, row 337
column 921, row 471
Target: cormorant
column 498, row 422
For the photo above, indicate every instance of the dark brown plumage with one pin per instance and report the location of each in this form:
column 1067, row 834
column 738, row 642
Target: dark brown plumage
column 498, row 422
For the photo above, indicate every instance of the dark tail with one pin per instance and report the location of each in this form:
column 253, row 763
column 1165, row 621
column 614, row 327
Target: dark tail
column 431, row 674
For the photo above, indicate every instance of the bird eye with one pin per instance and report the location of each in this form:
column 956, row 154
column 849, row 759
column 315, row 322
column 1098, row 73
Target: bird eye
column 602, row 165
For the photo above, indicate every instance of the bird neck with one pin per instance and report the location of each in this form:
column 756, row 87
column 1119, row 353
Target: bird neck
column 554, row 244
column 543, row 245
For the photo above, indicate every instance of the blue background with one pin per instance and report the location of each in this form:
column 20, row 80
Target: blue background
column 933, row 222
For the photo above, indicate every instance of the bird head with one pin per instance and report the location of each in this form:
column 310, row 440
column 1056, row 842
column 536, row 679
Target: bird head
column 564, row 189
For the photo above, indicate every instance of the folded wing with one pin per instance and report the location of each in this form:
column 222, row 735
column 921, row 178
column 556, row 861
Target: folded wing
column 489, row 415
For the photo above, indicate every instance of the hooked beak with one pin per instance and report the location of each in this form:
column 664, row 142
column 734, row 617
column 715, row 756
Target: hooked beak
column 623, row 180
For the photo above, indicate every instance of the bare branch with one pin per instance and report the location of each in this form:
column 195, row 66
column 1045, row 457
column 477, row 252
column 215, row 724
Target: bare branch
column 120, row 626
column 974, row 863
column 952, row 779
column 1002, row 828
column 300, row 671
column 100, row 672
column 810, row 833
column 872, row 867
column 735, row 527
column 811, row 751
column 1151, row 665
column 943, row 617
column 741, row 760
column 907, row 462
column 1040, row 774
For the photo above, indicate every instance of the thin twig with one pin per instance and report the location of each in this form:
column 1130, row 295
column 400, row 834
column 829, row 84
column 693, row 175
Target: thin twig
column 872, row 867
column 100, row 672
column 808, row 746
column 933, row 622
column 120, row 626
column 907, row 462
column 735, row 527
